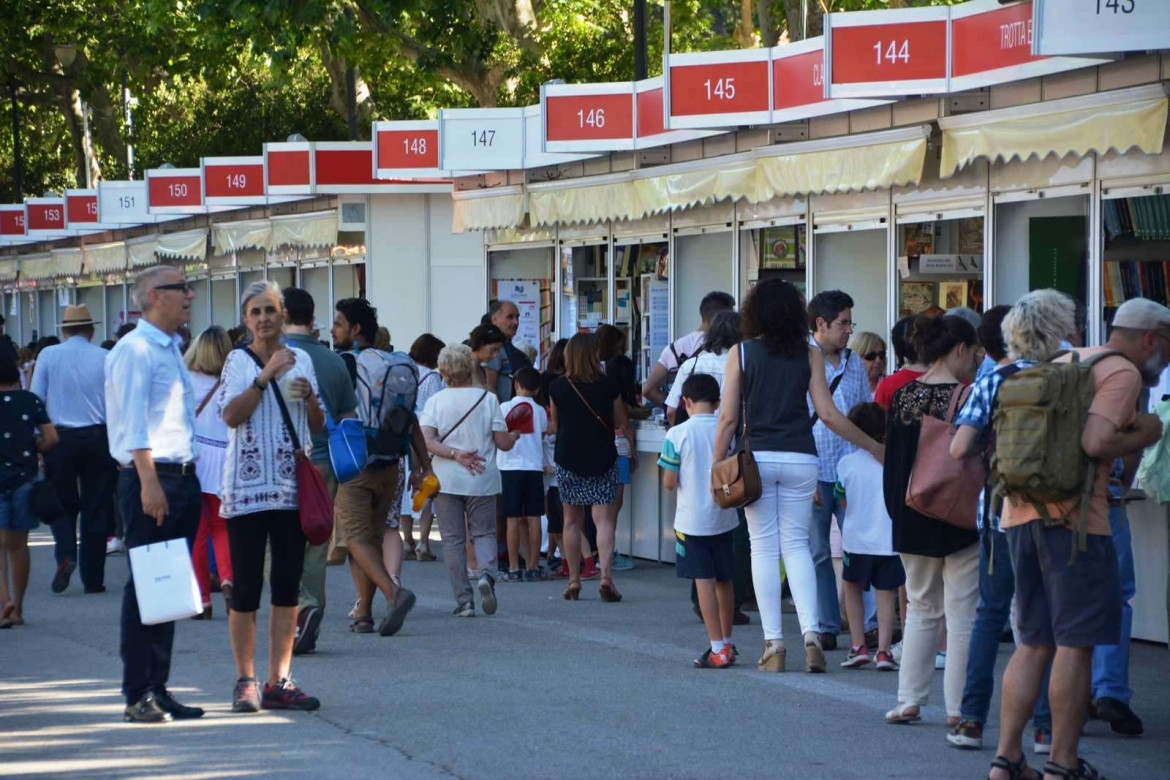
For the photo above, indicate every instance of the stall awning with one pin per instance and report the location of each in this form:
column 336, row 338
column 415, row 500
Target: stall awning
column 305, row 230
column 141, row 251
column 1120, row 120
column 105, row 258
column 234, row 236
column 67, row 262
column 9, row 270
column 502, row 207
column 847, row 164
column 37, row 267
column 187, row 245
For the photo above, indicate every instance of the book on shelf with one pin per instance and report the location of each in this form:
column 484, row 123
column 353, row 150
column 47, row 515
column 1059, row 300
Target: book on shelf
column 1126, row 279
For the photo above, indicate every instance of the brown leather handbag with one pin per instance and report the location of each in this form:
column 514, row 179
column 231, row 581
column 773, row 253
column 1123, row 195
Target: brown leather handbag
column 940, row 486
column 735, row 481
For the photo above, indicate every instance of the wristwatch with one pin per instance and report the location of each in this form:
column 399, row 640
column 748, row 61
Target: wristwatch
column 260, row 386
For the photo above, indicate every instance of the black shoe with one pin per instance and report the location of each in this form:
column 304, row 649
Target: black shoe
column 1119, row 717
column 61, row 578
column 740, row 618
column 308, row 628
column 167, row 703
column 828, row 641
column 98, row 589
column 147, row 710
column 403, row 603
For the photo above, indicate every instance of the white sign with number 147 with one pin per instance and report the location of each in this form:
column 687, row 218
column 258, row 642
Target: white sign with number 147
column 482, row 139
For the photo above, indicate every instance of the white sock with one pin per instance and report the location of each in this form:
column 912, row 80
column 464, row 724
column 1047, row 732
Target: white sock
column 727, row 641
column 716, row 645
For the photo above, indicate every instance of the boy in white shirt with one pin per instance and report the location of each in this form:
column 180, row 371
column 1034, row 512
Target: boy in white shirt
column 703, row 545
column 522, row 476
column 867, row 538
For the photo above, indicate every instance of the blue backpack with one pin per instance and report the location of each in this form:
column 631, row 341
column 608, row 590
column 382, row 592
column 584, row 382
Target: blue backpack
column 391, row 391
column 347, row 447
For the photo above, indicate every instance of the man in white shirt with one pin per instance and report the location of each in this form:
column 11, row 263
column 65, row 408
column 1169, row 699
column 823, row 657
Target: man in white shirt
column 684, row 346
column 150, row 408
column 70, row 378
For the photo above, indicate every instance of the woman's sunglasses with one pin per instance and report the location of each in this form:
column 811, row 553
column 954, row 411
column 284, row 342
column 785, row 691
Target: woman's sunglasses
column 878, row 355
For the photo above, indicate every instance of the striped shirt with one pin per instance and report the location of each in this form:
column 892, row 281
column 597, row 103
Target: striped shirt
column 852, row 390
column 71, row 378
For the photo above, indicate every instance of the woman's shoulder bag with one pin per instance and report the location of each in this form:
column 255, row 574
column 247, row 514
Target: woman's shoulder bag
column 735, row 481
column 940, row 486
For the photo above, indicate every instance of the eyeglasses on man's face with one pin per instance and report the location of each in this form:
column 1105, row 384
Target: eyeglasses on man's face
column 183, row 287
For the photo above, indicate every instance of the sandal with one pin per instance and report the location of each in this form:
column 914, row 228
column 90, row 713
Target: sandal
column 573, row 592
column 1084, row 770
column 362, row 625
column 1016, row 769
column 609, row 593
column 901, row 714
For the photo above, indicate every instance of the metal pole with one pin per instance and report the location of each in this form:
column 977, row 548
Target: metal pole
column 88, row 144
column 17, row 157
column 351, row 101
column 803, row 19
column 128, row 116
column 639, row 40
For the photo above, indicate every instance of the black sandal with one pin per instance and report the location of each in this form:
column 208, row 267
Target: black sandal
column 362, row 625
column 1015, row 769
column 1084, row 770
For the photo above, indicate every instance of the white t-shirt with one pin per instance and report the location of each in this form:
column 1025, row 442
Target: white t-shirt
column 687, row 345
column 211, row 435
column 528, row 453
column 868, row 529
column 688, row 449
column 548, row 450
column 702, row 363
column 260, row 472
column 442, row 411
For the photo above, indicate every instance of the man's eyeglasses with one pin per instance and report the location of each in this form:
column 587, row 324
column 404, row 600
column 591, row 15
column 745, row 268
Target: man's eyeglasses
column 182, row 287
column 879, row 354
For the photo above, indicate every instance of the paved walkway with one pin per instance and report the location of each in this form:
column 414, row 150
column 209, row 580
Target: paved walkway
column 544, row 688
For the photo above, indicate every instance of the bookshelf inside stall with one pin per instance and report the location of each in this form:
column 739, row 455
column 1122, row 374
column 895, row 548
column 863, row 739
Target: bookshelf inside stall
column 641, row 301
column 1137, row 251
column 940, row 264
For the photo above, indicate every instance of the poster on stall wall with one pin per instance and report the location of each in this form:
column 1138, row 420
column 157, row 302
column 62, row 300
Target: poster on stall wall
column 525, row 293
column 919, row 239
column 781, row 249
column 659, row 317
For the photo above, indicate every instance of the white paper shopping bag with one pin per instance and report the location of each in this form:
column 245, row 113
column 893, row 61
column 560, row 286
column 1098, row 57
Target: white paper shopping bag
column 164, row 581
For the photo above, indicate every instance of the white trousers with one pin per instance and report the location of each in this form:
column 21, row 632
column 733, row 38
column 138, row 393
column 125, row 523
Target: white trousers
column 779, row 526
column 937, row 588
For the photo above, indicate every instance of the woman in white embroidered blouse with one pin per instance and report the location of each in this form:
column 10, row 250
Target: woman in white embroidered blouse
column 259, row 493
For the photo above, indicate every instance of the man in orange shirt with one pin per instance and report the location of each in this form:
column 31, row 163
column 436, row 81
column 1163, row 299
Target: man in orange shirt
column 1067, row 609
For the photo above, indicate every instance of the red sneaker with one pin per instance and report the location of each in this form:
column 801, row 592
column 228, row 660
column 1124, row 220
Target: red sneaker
column 886, row 662
column 712, row 660
column 285, row 695
column 590, row 572
column 561, row 573
column 858, row 657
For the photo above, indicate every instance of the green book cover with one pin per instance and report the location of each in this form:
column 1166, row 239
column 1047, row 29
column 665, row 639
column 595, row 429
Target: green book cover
column 1056, row 253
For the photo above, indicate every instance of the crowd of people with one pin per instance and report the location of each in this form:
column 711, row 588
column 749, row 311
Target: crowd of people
column 151, row 438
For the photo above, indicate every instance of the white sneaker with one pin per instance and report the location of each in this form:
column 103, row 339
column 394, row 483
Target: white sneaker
column 940, row 661
column 896, row 651
column 114, row 546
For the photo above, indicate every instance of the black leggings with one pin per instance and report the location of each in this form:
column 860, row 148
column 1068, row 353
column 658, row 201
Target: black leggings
column 248, row 536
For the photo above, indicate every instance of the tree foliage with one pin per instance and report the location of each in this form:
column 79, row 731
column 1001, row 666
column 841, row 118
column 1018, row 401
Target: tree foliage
column 221, row 77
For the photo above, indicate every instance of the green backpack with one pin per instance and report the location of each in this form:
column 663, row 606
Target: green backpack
column 1040, row 414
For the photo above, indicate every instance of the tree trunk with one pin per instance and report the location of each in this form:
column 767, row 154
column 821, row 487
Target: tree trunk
column 769, row 25
column 745, row 30
column 336, row 67
column 104, row 125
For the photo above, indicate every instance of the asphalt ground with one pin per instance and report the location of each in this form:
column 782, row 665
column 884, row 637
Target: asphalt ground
column 544, row 688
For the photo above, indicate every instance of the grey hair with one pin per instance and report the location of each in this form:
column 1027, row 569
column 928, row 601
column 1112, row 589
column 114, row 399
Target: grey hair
column 970, row 315
column 455, row 364
column 1037, row 323
column 259, row 288
column 146, row 281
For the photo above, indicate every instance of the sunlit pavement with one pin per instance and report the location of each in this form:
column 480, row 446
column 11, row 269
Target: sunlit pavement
column 544, row 688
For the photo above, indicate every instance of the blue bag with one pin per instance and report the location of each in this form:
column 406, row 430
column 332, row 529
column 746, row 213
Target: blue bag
column 347, row 447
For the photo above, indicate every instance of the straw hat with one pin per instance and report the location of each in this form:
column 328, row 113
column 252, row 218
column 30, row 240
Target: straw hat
column 77, row 316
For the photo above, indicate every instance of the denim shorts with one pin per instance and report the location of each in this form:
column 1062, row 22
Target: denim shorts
column 16, row 509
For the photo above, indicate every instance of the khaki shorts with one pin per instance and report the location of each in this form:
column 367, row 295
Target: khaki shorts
column 362, row 504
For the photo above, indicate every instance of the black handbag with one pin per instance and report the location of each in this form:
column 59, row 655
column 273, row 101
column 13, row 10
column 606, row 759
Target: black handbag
column 43, row 501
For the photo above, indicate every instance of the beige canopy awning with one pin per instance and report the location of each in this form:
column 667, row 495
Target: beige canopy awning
column 9, row 270
column 37, row 267
column 67, row 262
column 1121, row 120
column 105, row 258
column 305, row 230
column 187, row 245
column 501, row 207
column 847, row 164
column 141, row 251
column 248, row 234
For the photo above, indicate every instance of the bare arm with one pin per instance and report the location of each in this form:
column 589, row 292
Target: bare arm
column 836, row 422
column 241, row 408
column 469, row 459
column 621, row 418
column 966, row 442
column 669, row 479
column 154, row 500
column 505, row 440
column 48, row 439
column 651, row 387
column 729, row 406
column 315, row 413
column 1103, row 439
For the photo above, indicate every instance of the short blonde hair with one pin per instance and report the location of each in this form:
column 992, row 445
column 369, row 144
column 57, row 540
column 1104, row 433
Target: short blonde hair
column 455, row 365
column 865, row 342
column 1037, row 323
column 209, row 351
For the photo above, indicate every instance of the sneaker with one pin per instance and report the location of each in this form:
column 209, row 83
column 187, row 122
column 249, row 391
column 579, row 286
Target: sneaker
column 940, row 661
column 487, row 594
column 734, row 653
column 622, row 562
column 246, row 696
column 61, row 577
column 512, row 576
column 968, row 735
column 590, row 572
column 886, row 662
column 467, row 609
column 423, row 555
column 712, row 660
column 285, row 695
column 535, row 575
column 871, row 639
column 562, row 573
column 114, row 546
column 1042, row 741
column 857, row 658
column 896, row 652
column 308, row 627
column 1119, row 716
column 828, row 641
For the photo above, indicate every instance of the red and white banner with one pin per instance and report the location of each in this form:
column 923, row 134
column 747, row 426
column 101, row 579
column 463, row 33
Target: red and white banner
column 887, row 53
column 534, row 154
column 348, row 167
column 650, row 115
column 46, row 217
column 406, row 149
column 175, row 191
column 233, row 181
column 588, row 117
column 13, row 221
column 718, row 89
column 992, row 43
column 288, row 168
column 798, row 84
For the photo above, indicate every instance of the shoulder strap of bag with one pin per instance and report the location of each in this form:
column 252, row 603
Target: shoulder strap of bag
column 596, row 416
column 747, row 446
column 466, row 414
column 288, row 423
column 834, row 384
column 203, row 403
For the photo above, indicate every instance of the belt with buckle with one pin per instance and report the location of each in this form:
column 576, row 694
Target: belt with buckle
column 181, row 469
